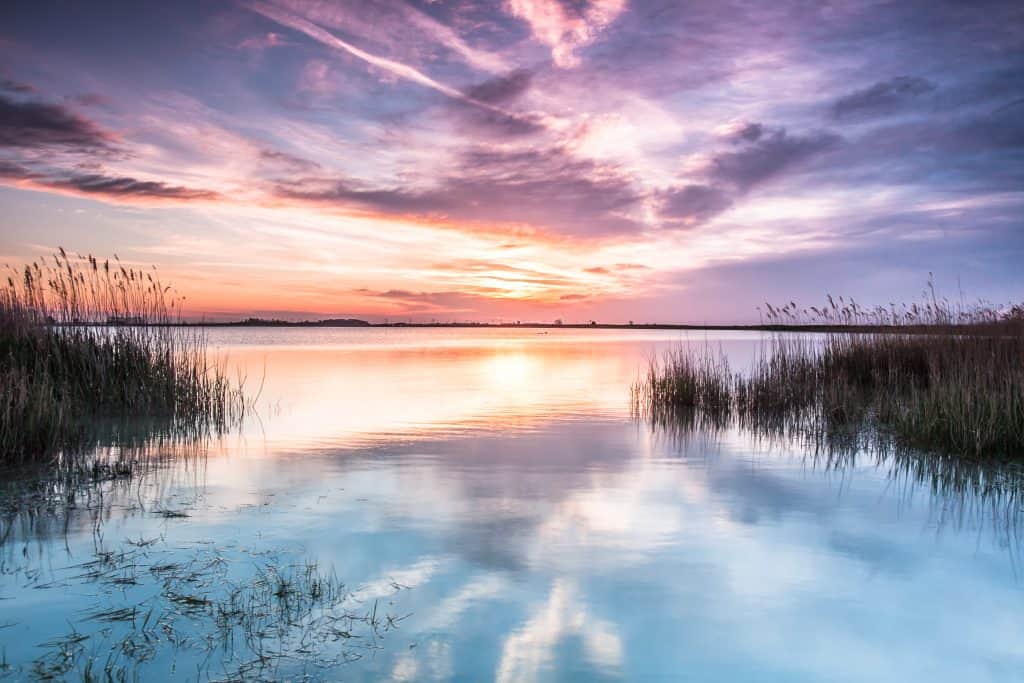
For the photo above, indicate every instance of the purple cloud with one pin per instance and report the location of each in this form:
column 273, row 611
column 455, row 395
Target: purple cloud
column 29, row 124
column 16, row 86
column 548, row 189
column 757, row 154
column 694, row 204
column 502, row 89
column 121, row 186
column 768, row 155
column 881, row 98
column 103, row 186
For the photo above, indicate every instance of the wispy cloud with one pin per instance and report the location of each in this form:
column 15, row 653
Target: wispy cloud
column 393, row 67
column 264, row 41
column 402, row 29
column 100, row 186
column 125, row 187
column 882, row 97
column 545, row 190
column 536, row 146
column 15, row 86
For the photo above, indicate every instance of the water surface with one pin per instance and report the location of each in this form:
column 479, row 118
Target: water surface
column 490, row 493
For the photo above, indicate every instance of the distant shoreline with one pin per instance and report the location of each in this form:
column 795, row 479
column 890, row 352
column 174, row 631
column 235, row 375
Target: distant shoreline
column 354, row 323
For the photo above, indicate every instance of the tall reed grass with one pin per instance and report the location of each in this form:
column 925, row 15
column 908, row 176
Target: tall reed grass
column 941, row 379
column 82, row 340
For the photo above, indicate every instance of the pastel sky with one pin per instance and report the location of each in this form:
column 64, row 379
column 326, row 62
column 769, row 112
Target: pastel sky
column 520, row 159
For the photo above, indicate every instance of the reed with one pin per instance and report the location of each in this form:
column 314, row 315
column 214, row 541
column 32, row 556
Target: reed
column 941, row 379
column 82, row 340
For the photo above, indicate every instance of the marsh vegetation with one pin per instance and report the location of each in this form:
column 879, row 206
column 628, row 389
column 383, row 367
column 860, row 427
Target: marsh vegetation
column 88, row 344
column 938, row 378
column 164, row 604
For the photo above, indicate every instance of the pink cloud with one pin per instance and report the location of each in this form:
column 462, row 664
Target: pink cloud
column 263, row 42
column 565, row 30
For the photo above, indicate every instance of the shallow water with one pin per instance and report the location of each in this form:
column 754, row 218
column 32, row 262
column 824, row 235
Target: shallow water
column 490, row 493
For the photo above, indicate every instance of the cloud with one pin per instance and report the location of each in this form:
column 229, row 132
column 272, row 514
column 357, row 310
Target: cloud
column 756, row 154
column 497, row 125
column 502, row 89
column 90, row 99
column 977, row 252
column 545, row 189
column 694, row 204
column 742, row 131
column 425, row 303
column 316, row 79
column 121, row 188
column 768, row 155
column 13, row 171
column 288, row 162
column 566, row 28
column 975, row 148
column 486, row 98
column 881, row 98
column 15, row 86
column 459, row 115
column 617, row 267
column 478, row 59
column 126, row 187
column 317, row 33
column 402, row 30
column 501, row 271
column 263, row 41
column 36, row 124
column 395, row 68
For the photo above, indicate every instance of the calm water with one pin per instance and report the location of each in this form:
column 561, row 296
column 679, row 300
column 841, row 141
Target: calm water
column 489, row 492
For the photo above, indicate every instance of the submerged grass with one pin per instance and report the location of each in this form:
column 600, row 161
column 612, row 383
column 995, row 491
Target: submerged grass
column 952, row 385
column 82, row 340
column 234, row 615
column 157, row 605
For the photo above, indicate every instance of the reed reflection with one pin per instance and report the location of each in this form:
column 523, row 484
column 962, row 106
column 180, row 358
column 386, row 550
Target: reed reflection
column 964, row 492
column 128, row 466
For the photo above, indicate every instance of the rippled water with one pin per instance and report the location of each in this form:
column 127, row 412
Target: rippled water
column 487, row 499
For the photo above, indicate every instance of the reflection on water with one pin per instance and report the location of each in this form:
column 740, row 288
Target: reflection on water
column 962, row 491
column 495, row 512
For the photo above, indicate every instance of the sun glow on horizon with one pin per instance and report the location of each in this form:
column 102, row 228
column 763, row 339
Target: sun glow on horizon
column 454, row 161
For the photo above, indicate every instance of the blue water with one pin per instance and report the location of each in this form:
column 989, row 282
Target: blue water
column 490, row 492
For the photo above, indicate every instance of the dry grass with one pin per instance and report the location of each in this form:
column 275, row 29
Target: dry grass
column 945, row 380
column 82, row 339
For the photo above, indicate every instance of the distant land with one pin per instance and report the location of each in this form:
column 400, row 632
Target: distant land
column 557, row 325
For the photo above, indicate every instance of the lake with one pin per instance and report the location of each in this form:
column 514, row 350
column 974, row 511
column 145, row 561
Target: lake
column 481, row 504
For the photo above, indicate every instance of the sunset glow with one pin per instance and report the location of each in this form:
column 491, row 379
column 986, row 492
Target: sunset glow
column 519, row 160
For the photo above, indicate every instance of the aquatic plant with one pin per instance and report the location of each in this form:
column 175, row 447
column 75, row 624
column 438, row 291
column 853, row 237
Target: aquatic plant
column 82, row 339
column 232, row 614
column 229, row 610
column 935, row 377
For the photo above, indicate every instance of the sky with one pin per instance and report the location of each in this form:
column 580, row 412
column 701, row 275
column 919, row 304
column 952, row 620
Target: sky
column 616, row 160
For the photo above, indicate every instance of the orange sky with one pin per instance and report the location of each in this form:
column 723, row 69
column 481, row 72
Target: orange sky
column 529, row 159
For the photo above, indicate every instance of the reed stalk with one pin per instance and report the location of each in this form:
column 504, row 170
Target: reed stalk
column 82, row 340
column 942, row 379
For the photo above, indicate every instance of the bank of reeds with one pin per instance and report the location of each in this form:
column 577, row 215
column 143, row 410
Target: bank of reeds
column 82, row 340
column 941, row 380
